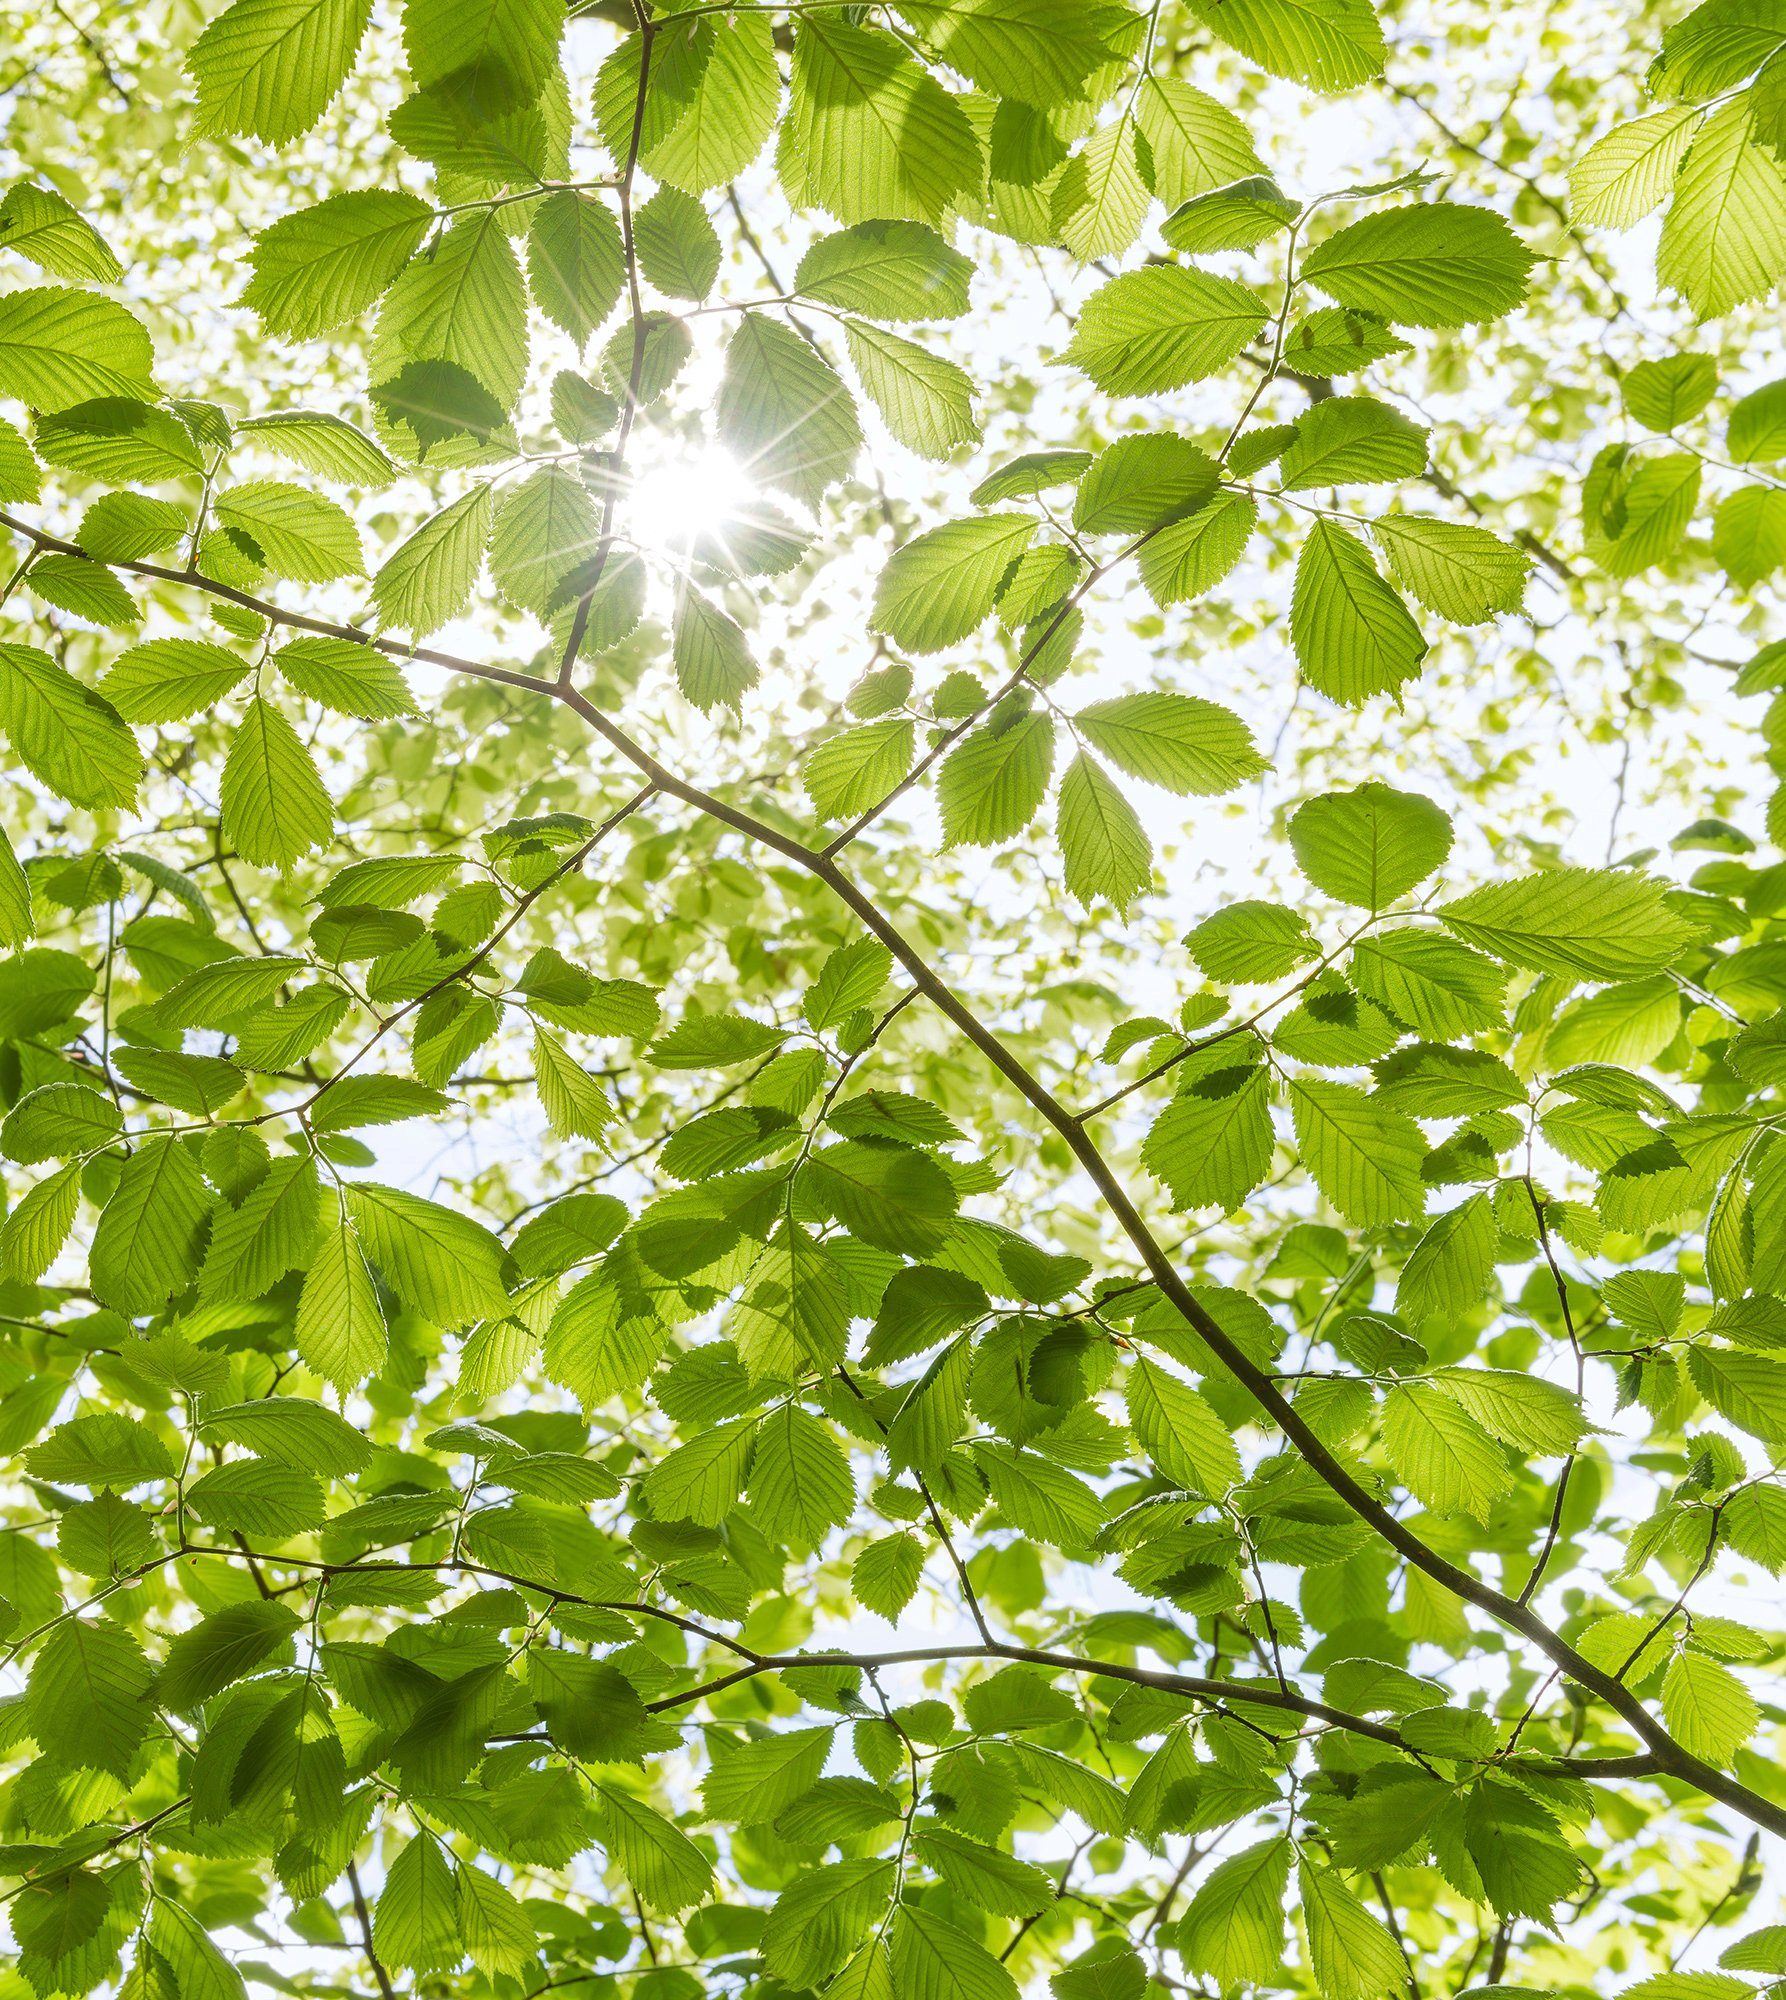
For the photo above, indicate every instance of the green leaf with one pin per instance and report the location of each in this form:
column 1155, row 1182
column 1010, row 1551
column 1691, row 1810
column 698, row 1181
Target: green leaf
column 60, row 347
column 1039, row 1498
column 1041, row 51
column 254, row 1245
column 925, row 401
column 275, row 805
column 86, row 589
column 58, row 1121
column 1352, row 1954
column 754, row 1782
column 507, row 45
column 296, row 534
column 1642, row 1013
column 1180, row 1432
column 64, row 733
column 1463, row 573
column 1757, row 426
column 710, row 119
column 1100, row 202
column 1326, row 44
column 1362, row 1155
column 123, row 527
column 220, row 993
column 1636, row 510
column 340, row 1330
column 1587, row 923
column 590, row 1707
column 349, row 678
column 713, row 1041
column 659, row 1861
column 152, row 1232
column 1662, row 395
column 16, row 920
column 431, row 576
column 290, row 1430
column 1715, row 45
column 1153, row 330
column 231, row 1642
column 1352, row 633
column 170, row 679
column 1452, row 1264
column 575, row 263
column 989, row 1879
column 1332, row 341
column 943, row 583
column 847, row 774
column 415, row 1920
column 1212, row 1145
column 1724, row 236
column 783, row 411
column 1248, row 943
column 195, row 1967
column 885, row 1575
column 701, row 1480
column 1434, row 264
column 800, row 1485
column 1449, row 1462
column 37, row 223
column 444, row 1265
column 869, row 135
column 1708, row 1710
column 992, row 783
column 269, row 69
column 1234, row 1928
column 933, row 1960
column 32, row 1236
column 1239, row 217
column 1194, row 144
column 1143, row 482
column 1181, row 742
column 497, row 1933
column 322, row 443
column 1188, row 557
column 890, row 1196
column 1749, row 534
column 52, row 1921
column 888, row 270
column 1370, row 846
column 1754, row 1524
column 821, row 1917
column 1628, row 173
column 463, row 304
column 851, row 978
column 677, row 246
column 106, row 1537
column 1437, row 987
column 323, row 265
column 546, row 529
column 1106, row 851
column 105, row 1449
column 1521, row 1410
column 714, row 668
column 1346, row 440
column 85, row 1700
column 575, row 1104
column 1749, row 1389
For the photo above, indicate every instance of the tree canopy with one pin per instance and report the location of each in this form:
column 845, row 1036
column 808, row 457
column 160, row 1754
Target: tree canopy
column 892, row 994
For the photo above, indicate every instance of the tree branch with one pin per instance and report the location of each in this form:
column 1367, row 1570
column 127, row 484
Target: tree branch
column 386, row 1989
column 1671, row 1757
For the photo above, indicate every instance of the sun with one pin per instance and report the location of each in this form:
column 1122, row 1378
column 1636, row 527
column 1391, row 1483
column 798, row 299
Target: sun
column 686, row 496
